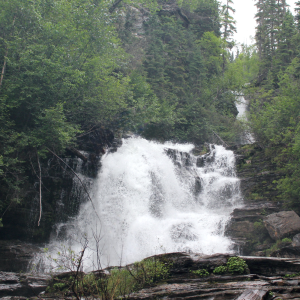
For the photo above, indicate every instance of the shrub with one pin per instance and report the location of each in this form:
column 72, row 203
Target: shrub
column 236, row 265
column 201, row 272
column 118, row 283
column 220, row 270
column 286, row 240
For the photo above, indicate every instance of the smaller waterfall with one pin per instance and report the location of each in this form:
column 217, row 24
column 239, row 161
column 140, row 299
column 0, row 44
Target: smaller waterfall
column 242, row 107
column 153, row 198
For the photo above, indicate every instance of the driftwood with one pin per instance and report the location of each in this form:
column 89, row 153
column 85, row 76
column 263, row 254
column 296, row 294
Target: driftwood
column 223, row 143
column 77, row 153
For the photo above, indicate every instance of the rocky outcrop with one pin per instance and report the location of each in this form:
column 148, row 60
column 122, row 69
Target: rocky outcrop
column 257, row 174
column 247, row 230
column 25, row 285
column 282, row 224
column 16, row 255
column 268, row 278
column 296, row 240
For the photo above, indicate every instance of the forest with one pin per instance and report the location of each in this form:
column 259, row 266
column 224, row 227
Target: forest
column 166, row 70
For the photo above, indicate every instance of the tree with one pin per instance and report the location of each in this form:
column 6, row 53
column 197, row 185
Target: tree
column 228, row 25
column 269, row 17
column 61, row 77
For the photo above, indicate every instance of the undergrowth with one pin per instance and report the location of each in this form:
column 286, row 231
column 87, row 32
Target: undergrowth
column 118, row 282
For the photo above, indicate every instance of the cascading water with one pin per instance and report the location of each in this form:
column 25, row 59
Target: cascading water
column 246, row 136
column 152, row 198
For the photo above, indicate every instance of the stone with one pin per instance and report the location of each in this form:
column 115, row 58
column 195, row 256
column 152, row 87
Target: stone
column 15, row 255
column 296, row 240
column 253, row 295
column 240, row 229
column 288, row 252
column 18, row 284
column 267, row 276
column 282, row 224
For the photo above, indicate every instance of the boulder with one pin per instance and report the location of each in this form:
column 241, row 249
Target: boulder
column 288, row 252
column 296, row 240
column 22, row 284
column 282, row 224
column 239, row 229
column 253, row 295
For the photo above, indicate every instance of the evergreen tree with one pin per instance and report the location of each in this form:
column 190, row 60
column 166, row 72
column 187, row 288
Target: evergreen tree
column 269, row 17
column 228, row 26
column 286, row 48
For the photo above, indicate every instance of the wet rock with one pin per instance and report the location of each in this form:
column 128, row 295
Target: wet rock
column 253, row 211
column 116, row 143
column 296, row 240
column 271, row 266
column 266, row 278
column 253, row 295
column 26, row 285
column 200, row 162
column 289, row 251
column 282, row 224
column 16, row 255
column 240, row 229
column 198, row 186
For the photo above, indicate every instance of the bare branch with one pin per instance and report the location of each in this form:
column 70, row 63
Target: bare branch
column 40, row 179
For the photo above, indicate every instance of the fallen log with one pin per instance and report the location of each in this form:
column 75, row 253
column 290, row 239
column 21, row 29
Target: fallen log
column 77, row 153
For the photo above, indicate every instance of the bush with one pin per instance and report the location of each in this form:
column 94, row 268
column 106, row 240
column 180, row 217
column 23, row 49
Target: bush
column 236, row 265
column 201, row 272
column 220, row 270
column 286, row 240
column 118, row 283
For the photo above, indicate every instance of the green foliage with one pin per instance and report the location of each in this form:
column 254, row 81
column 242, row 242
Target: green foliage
column 220, row 270
column 68, row 68
column 200, row 273
column 275, row 122
column 184, row 67
column 62, row 64
column 278, row 245
column 236, row 265
column 118, row 283
column 286, row 240
column 292, row 275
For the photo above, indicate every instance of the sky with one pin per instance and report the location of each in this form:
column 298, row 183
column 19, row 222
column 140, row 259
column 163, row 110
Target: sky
column 244, row 16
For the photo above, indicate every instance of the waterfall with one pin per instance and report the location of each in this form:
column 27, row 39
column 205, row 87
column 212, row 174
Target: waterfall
column 242, row 107
column 151, row 198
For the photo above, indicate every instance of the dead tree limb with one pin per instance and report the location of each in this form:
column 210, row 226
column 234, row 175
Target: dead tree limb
column 223, row 143
column 77, row 153
column 3, row 67
column 40, row 189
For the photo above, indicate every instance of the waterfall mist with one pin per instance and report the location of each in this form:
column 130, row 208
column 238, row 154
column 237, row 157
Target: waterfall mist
column 153, row 198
